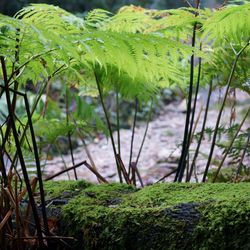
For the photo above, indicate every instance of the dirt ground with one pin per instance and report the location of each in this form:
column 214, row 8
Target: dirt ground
column 162, row 146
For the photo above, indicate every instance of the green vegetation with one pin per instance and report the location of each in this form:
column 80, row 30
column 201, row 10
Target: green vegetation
column 131, row 55
column 162, row 216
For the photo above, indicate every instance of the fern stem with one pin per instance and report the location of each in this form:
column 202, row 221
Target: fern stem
column 35, row 105
column 220, row 111
column 230, row 145
column 98, row 175
column 20, row 154
column 145, row 133
column 14, row 99
column 38, row 166
column 64, row 171
column 193, row 113
column 202, row 132
column 109, row 126
column 93, row 165
column 69, row 135
column 118, row 122
column 2, row 167
column 195, row 103
column 182, row 162
column 242, row 157
column 133, row 135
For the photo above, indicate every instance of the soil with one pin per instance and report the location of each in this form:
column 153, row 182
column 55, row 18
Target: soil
column 162, row 146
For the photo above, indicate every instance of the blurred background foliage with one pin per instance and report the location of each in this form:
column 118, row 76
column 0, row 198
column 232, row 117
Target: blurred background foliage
column 10, row 7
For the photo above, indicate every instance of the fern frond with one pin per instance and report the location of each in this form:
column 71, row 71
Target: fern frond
column 137, row 58
column 231, row 23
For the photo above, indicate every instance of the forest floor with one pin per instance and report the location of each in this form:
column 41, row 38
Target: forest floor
column 162, row 146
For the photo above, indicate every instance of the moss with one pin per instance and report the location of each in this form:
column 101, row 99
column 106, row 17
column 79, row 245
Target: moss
column 174, row 193
column 162, row 216
column 57, row 188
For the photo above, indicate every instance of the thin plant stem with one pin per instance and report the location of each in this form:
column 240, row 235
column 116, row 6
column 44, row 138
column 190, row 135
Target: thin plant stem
column 57, row 71
column 69, row 135
column 145, row 133
column 109, row 126
column 58, row 148
column 38, row 166
column 196, row 122
column 167, row 175
column 194, row 106
column 230, row 145
column 64, row 171
column 118, row 122
column 181, row 165
column 2, row 168
column 93, row 165
column 202, row 132
column 242, row 157
column 20, row 154
column 123, row 169
column 221, row 109
column 186, row 137
column 133, row 135
column 98, row 175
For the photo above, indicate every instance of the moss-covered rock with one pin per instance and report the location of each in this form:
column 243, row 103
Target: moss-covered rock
column 162, row 216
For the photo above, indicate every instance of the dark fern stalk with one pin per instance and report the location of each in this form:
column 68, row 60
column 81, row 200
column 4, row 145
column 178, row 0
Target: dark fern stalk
column 20, row 154
column 133, row 135
column 118, row 122
column 186, row 137
column 221, row 109
column 193, row 114
column 109, row 126
column 37, row 160
column 195, row 102
column 69, row 135
column 14, row 99
column 201, row 133
column 230, row 145
column 145, row 133
column 38, row 166
column 22, row 137
column 2, row 167
column 242, row 157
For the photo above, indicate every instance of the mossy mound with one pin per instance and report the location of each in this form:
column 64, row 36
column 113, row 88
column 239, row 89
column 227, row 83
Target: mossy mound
column 162, row 216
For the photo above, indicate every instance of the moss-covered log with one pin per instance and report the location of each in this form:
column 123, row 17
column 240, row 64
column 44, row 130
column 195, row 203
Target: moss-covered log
column 162, row 216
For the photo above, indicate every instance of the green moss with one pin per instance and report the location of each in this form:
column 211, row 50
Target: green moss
column 174, row 193
column 162, row 216
column 57, row 188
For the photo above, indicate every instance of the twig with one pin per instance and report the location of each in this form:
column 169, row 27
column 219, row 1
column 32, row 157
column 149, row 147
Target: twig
column 123, row 169
column 64, row 171
column 86, row 148
column 95, row 172
column 167, row 175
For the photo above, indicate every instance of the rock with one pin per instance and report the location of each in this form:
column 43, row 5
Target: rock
column 162, row 216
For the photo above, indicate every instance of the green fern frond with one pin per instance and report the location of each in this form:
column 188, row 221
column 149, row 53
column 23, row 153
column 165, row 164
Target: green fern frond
column 56, row 18
column 231, row 23
column 134, row 57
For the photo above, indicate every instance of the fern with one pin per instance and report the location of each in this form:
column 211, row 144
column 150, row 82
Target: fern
column 131, row 58
column 231, row 23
